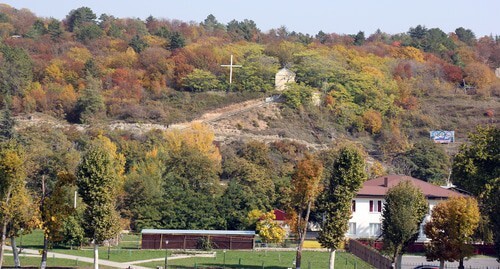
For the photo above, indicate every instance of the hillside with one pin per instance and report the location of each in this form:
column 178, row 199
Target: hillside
column 191, row 149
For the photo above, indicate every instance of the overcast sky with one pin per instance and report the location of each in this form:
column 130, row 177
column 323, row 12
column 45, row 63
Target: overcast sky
column 306, row 16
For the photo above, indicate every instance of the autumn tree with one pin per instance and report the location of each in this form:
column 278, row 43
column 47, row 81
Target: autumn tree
column 50, row 154
column 56, row 208
column 306, row 186
column 450, row 230
column 345, row 178
column 17, row 211
column 269, row 230
column 404, row 210
column 98, row 181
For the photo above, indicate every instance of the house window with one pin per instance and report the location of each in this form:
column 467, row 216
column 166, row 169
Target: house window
column 353, row 206
column 352, row 228
column 375, row 229
column 375, row 206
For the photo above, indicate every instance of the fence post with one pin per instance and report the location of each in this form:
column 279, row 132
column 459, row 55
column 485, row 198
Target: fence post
column 262, row 264
column 239, row 262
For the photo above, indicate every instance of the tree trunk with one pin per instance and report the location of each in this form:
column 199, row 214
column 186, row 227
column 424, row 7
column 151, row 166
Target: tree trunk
column 43, row 264
column 332, row 259
column 298, row 259
column 461, row 263
column 441, row 264
column 4, row 228
column 2, row 242
column 399, row 260
column 96, row 255
column 15, row 253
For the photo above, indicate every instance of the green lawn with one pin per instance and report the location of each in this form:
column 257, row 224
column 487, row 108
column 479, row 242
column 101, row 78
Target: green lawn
column 266, row 259
column 128, row 251
column 35, row 262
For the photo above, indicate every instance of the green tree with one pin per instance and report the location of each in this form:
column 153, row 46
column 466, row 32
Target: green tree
column 211, row 25
column 90, row 104
column 7, row 124
column 16, row 70
column 72, row 232
column 177, row 41
column 425, row 160
column 297, row 95
column 404, row 210
column 359, row 38
column 97, row 182
column 138, row 44
column 345, row 179
column 306, row 186
column 450, row 230
column 477, row 164
column 200, row 80
column 466, row 35
column 476, row 169
column 88, row 32
column 55, row 30
column 490, row 200
column 80, row 16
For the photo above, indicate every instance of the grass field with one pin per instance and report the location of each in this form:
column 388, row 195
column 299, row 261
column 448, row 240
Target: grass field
column 128, row 250
column 51, row 262
column 265, row 259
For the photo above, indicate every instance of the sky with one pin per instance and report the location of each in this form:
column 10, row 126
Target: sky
column 305, row 16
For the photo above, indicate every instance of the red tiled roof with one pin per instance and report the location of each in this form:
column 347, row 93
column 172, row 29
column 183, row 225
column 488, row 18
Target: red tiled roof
column 280, row 215
column 379, row 187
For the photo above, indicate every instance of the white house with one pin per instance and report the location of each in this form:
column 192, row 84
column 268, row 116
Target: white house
column 366, row 217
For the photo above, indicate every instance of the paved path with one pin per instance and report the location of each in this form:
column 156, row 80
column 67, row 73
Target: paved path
column 132, row 264
column 410, row 261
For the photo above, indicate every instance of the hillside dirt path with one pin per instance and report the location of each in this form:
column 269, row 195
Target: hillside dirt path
column 237, row 121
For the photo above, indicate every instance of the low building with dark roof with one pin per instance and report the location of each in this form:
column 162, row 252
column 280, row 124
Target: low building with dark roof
column 196, row 239
column 366, row 220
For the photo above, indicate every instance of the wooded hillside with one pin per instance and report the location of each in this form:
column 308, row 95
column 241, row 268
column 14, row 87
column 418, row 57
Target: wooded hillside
column 382, row 92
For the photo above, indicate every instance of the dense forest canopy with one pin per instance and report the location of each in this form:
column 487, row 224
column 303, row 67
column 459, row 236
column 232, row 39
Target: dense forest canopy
column 385, row 92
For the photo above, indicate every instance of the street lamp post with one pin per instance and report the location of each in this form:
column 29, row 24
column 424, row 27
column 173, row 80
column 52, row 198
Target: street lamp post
column 166, row 254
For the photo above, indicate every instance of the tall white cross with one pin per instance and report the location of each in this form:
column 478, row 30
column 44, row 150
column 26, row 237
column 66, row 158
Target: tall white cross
column 231, row 69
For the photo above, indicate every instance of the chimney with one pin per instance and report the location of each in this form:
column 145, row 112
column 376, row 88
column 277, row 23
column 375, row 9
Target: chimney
column 386, row 182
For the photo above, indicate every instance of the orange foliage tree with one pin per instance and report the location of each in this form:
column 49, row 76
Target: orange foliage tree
column 306, row 186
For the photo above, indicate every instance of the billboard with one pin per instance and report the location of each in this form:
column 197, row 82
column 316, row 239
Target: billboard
column 443, row 137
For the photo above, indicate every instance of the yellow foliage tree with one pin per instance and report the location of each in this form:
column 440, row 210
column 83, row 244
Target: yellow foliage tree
column 79, row 54
column 198, row 136
column 451, row 228
column 409, row 53
column 372, row 121
column 269, row 230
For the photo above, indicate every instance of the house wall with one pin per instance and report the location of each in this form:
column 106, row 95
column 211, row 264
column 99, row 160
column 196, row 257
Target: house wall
column 363, row 217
